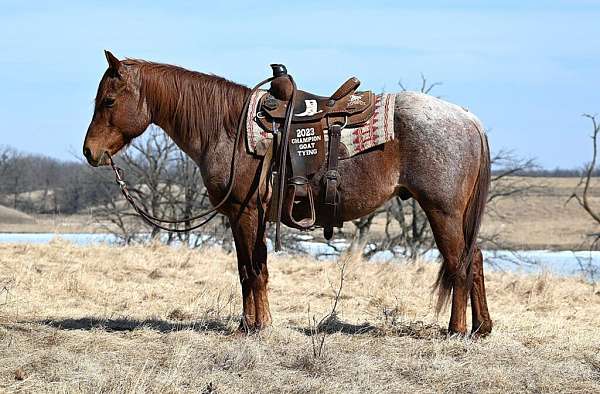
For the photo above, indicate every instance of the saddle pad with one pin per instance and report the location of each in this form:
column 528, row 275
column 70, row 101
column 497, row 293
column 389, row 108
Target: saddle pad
column 378, row 130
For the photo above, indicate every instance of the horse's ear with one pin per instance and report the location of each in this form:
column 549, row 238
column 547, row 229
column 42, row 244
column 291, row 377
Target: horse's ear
column 113, row 63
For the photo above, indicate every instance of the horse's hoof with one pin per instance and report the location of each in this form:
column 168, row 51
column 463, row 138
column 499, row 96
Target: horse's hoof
column 482, row 330
column 261, row 326
column 454, row 333
column 245, row 329
column 239, row 333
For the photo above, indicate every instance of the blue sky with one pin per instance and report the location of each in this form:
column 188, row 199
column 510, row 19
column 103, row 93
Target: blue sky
column 528, row 70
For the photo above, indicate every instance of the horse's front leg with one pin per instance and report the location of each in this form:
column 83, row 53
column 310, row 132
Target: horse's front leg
column 248, row 228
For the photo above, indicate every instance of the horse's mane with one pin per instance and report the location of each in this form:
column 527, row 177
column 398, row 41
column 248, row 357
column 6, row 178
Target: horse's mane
column 190, row 101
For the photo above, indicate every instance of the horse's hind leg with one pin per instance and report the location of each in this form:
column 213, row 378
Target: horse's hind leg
column 482, row 323
column 448, row 233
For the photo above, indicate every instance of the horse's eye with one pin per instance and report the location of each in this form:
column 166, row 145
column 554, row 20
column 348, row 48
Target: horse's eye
column 108, row 102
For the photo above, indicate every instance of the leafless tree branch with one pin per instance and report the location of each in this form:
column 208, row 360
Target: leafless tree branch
column 586, row 177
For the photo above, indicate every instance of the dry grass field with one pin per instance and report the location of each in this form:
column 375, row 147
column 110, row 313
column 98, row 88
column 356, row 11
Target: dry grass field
column 157, row 319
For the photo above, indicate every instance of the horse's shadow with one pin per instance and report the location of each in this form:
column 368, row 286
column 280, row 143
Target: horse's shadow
column 328, row 326
column 414, row 329
column 127, row 324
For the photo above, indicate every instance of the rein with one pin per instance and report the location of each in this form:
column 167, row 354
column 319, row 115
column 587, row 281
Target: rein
column 154, row 221
column 211, row 213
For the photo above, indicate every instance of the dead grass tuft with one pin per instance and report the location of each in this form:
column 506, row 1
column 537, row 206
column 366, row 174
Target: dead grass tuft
column 313, row 366
column 178, row 314
column 20, row 374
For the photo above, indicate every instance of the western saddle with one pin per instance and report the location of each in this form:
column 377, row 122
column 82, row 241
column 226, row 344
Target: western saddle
column 297, row 121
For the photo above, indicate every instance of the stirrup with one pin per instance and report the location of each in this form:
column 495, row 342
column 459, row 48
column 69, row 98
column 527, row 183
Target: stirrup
column 302, row 189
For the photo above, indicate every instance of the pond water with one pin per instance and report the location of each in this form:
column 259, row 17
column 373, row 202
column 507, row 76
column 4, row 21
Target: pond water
column 565, row 262
column 43, row 238
column 559, row 262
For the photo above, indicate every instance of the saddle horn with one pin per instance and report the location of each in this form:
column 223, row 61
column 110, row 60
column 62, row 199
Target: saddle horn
column 281, row 86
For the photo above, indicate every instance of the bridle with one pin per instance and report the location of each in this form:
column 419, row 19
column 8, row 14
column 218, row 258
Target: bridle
column 163, row 224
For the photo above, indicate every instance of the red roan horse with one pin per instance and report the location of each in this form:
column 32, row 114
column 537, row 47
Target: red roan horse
column 439, row 157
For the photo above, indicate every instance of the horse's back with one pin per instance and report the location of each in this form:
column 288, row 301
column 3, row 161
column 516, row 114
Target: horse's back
column 428, row 112
column 440, row 146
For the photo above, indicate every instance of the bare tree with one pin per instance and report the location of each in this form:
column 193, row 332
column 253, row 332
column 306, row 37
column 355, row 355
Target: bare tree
column 507, row 182
column 167, row 184
column 425, row 87
column 581, row 195
column 506, row 164
column 10, row 184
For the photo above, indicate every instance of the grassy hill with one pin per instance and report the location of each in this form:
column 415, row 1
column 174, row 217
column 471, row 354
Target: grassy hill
column 12, row 216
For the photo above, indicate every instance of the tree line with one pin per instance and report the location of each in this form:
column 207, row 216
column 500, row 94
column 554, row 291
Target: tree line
column 168, row 185
column 36, row 183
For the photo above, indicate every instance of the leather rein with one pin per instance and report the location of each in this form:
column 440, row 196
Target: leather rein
column 163, row 224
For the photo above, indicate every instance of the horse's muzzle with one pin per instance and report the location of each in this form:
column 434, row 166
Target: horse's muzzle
column 103, row 160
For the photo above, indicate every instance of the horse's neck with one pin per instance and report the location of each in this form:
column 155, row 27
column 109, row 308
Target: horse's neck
column 194, row 144
column 206, row 134
column 194, row 147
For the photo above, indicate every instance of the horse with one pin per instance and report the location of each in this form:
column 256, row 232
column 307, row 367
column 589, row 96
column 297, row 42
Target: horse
column 439, row 156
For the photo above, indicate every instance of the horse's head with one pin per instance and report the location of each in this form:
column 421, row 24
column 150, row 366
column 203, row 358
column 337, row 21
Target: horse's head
column 119, row 113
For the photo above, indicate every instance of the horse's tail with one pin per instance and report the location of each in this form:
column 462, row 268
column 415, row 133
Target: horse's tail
column 471, row 223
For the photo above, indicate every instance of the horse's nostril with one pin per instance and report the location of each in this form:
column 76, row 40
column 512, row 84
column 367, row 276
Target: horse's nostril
column 87, row 153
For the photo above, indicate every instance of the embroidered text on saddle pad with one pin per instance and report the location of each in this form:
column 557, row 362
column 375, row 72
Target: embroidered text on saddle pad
column 378, row 130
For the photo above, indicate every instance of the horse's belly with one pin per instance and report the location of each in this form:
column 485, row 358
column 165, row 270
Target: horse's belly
column 367, row 181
